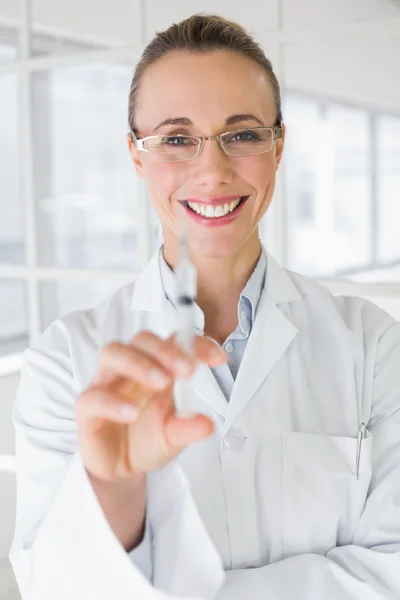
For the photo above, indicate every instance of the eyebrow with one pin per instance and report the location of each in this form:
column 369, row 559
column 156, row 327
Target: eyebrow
column 232, row 120
column 174, row 121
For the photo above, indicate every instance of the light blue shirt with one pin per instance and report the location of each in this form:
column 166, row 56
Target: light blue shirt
column 235, row 343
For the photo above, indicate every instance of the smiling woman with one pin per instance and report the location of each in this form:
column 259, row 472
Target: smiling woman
column 283, row 479
column 244, row 134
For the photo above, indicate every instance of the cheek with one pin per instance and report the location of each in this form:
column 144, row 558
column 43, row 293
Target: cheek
column 259, row 173
column 163, row 181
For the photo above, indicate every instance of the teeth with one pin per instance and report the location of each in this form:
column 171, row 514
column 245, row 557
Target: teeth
column 210, row 212
column 213, row 211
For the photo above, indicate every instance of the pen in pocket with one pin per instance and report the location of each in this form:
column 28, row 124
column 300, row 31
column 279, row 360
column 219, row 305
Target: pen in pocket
column 362, row 432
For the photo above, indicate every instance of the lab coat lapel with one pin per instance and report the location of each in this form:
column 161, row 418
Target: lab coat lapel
column 155, row 313
column 271, row 335
column 206, row 386
column 152, row 310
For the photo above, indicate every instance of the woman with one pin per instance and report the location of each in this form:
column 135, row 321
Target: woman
column 288, row 476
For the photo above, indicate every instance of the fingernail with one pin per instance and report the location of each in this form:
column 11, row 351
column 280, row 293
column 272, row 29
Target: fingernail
column 187, row 414
column 216, row 349
column 216, row 352
column 128, row 411
column 159, row 378
column 183, row 367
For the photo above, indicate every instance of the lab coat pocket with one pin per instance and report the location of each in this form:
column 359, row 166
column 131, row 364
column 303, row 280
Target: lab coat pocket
column 323, row 499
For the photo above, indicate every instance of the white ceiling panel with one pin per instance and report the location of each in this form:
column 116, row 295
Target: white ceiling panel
column 363, row 71
column 9, row 9
column 305, row 13
column 113, row 23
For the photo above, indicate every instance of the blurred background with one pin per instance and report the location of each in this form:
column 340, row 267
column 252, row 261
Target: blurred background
column 75, row 223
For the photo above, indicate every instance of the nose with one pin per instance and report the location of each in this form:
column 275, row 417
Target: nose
column 213, row 167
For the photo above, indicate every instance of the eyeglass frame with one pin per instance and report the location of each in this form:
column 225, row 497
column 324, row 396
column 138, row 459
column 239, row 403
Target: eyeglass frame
column 277, row 133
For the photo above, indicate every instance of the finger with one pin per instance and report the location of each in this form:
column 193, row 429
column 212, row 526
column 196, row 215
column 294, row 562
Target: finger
column 119, row 360
column 180, row 433
column 139, row 395
column 174, row 358
column 98, row 403
column 168, row 353
column 209, row 351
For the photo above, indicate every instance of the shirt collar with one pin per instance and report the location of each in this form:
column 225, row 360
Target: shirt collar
column 251, row 294
column 249, row 298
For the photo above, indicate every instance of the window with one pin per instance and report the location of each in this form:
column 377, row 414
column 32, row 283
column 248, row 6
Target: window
column 14, row 335
column 342, row 181
column 8, row 45
column 11, row 226
column 86, row 192
column 304, row 127
column 61, row 297
column 84, row 195
column 388, row 188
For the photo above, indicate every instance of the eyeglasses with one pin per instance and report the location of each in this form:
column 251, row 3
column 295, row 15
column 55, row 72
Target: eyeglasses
column 177, row 148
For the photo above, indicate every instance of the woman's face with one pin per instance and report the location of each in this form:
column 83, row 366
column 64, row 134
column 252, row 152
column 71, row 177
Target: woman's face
column 211, row 93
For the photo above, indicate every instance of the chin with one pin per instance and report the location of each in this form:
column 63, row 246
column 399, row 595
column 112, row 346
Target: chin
column 217, row 247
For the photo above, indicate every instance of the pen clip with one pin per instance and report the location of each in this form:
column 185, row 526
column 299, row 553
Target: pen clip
column 362, row 432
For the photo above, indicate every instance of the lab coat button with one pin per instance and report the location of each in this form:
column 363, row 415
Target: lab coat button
column 235, row 440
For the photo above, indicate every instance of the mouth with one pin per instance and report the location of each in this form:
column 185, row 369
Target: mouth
column 214, row 212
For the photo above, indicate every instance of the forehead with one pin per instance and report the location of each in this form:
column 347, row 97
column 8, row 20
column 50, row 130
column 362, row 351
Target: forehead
column 207, row 88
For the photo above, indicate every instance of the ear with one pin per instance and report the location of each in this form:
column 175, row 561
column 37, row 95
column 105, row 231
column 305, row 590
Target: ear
column 135, row 156
column 279, row 145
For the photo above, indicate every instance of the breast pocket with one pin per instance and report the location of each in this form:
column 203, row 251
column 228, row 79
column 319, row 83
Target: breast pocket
column 322, row 498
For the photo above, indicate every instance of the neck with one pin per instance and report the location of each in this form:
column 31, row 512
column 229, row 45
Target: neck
column 220, row 282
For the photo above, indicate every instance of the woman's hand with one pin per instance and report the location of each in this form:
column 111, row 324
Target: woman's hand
column 126, row 419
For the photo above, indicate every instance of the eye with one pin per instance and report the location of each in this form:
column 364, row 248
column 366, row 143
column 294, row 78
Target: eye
column 248, row 135
column 177, row 140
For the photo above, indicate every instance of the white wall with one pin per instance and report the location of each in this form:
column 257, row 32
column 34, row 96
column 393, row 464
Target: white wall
column 8, row 387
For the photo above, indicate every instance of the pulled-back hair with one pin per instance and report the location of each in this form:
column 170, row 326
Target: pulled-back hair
column 201, row 34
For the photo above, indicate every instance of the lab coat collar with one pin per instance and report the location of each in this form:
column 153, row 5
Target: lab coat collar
column 271, row 334
column 149, row 294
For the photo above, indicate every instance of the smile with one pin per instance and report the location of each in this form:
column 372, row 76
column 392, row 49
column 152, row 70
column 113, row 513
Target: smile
column 214, row 212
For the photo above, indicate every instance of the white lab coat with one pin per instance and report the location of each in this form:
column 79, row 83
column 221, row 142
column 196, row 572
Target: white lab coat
column 272, row 498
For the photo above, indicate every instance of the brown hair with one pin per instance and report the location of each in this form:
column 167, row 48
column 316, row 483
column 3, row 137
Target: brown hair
column 200, row 34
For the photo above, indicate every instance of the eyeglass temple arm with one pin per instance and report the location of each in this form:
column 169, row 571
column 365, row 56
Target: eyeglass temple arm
column 277, row 132
column 137, row 141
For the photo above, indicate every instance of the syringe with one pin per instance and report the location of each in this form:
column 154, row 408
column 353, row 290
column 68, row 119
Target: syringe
column 186, row 280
